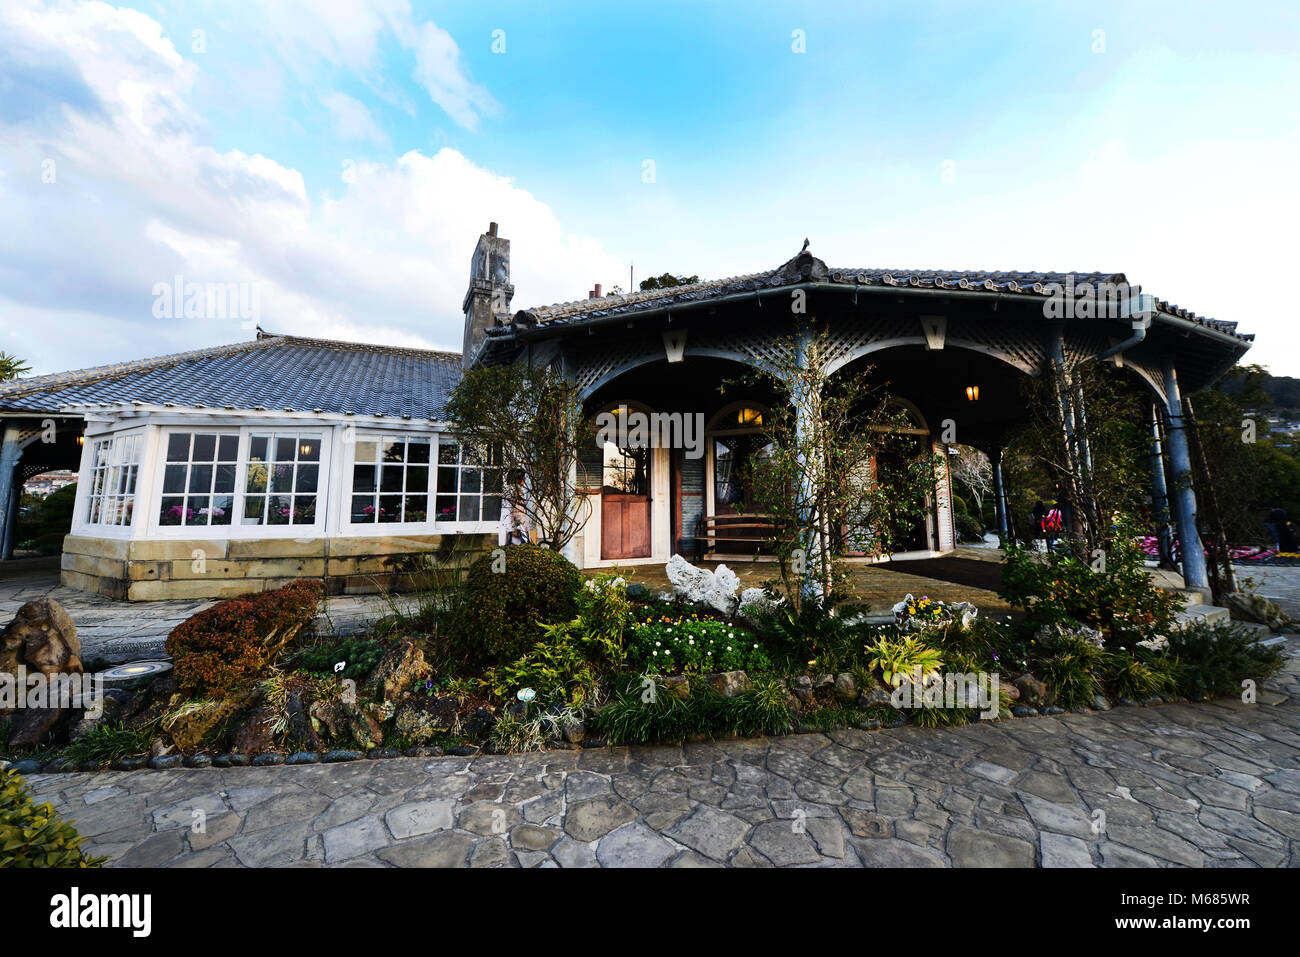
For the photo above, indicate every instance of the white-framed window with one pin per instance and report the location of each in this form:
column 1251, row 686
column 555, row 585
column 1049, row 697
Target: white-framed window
column 390, row 479
column 282, row 478
column 198, row 485
column 114, row 469
column 466, row 492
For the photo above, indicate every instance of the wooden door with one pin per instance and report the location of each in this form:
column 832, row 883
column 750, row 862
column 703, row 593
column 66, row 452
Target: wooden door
column 625, row 504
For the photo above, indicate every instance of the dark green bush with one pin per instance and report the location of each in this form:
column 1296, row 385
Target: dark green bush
column 361, row 655
column 969, row 528
column 32, row 835
column 503, row 609
column 1217, row 658
column 108, row 742
column 231, row 643
column 629, row 719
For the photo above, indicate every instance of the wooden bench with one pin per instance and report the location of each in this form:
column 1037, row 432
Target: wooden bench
column 734, row 534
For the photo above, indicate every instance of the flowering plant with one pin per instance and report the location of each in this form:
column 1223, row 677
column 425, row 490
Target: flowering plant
column 671, row 645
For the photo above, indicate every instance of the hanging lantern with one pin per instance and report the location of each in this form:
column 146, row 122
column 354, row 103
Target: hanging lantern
column 973, row 393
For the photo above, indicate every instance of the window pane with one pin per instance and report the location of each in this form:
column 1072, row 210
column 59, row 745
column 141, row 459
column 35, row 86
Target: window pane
column 225, row 481
column 446, row 508
column 228, row 448
column 172, row 511
column 222, row 506
column 304, row 510
column 491, row 507
column 471, row 480
column 257, row 475
column 196, row 510
column 447, row 479
column 417, row 478
column 257, row 447
column 205, row 448
column 390, row 478
column 417, row 450
column 309, row 448
column 277, row 510
column 254, row 506
column 131, row 473
column 448, row 453
column 390, row 508
column 468, row 508
column 200, row 478
column 286, row 448
column 306, row 478
column 178, row 447
column 281, row 478
column 363, row 508
column 392, row 450
column 365, row 451
column 363, row 478
column 417, row 508
column 492, row 480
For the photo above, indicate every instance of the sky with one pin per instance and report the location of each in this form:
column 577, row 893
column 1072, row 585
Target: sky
column 336, row 162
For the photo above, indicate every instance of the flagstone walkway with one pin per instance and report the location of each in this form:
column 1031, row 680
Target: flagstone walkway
column 1213, row 785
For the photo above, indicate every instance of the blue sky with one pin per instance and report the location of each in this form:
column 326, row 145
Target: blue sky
column 344, row 157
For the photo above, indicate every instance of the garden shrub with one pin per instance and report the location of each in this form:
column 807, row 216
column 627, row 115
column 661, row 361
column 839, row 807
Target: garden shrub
column 1121, row 602
column 32, row 835
column 1072, row 669
column 502, row 610
column 557, row 669
column 109, row 741
column 818, row 633
column 229, row 644
column 1142, row 674
column 1216, row 658
column 361, row 655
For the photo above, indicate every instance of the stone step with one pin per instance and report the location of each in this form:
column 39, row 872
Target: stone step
column 1209, row 614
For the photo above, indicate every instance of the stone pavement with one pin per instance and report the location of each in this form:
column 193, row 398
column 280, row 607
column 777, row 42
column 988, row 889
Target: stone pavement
column 1214, row 785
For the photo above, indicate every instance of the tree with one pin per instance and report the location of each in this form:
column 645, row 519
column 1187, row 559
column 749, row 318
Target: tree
column 527, row 423
column 820, row 472
column 667, row 281
column 972, row 470
column 11, row 367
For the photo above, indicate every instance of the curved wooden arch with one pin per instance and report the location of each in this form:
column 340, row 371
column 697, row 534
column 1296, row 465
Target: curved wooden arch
column 966, row 345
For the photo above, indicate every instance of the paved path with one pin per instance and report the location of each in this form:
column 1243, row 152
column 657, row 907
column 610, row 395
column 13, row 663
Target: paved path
column 1214, row 785
column 118, row 631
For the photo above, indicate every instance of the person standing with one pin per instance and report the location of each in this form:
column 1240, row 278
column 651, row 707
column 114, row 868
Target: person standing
column 513, row 529
column 1040, row 516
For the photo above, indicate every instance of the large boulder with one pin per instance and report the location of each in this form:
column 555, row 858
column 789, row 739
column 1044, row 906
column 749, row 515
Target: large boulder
column 189, row 725
column 717, row 589
column 396, row 672
column 729, row 684
column 1247, row 606
column 346, row 722
column 43, row 638
column 421, row 717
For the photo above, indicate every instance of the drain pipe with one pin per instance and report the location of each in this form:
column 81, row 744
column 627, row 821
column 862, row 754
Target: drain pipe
column 1141, row 309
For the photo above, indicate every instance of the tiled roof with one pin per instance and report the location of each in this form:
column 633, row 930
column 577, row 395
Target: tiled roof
column 1016, row 283
column 272, row 372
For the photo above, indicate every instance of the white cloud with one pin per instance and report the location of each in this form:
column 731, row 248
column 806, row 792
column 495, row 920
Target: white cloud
column 352, row 119
column 140, row 197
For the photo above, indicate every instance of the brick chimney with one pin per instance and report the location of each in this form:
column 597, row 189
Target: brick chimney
column 487, row 300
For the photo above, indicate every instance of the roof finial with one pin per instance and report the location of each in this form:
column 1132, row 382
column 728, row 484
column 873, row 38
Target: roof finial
column 805, row 246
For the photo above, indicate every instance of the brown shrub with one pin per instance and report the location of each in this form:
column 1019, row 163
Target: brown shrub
column 229, row 644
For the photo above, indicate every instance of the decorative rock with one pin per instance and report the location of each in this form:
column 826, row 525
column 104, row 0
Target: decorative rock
column 755, row 603
column 479, row 724
column 232, row 760
column 802, row 688
column 26, row 767
column 1011, row 691
column 729, row 683
column 198, row 761
column 1127, row 703
column 60, row 766
column 43, row 638
column 677, row 686
column 1023, row 711
column 1246, row 606
column 874, row 697
column 871, row 724
column 90, row 766
column 1152, row 701
column 846, row 686
column 1051, row 709
column 423, row 752
column 1032, row 691
column 269, row 759
column 824, row 681
column 396, row 671
column 463, row 750
column 593, row 742
column 575, row 732
column 1099, row 703
column 130, row 764
column 701, row 586
column 166, row 762
column 384, row 754
column 421, row 717
column 340, row 754
column 303, row 757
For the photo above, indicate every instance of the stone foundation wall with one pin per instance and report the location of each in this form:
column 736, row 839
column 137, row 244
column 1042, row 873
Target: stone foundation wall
column 224, row 568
